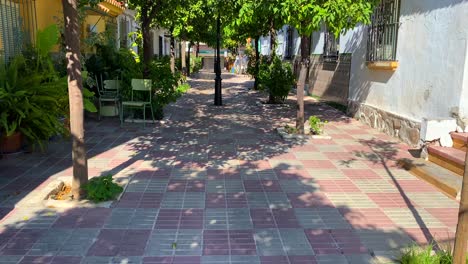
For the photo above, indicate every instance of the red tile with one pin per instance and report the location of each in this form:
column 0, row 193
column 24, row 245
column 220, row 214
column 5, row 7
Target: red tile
column 309, row 200
column 336, row 241
column 367, row 218
column 390, row 200
column 413, row 186
column 361, row 174
column 292, row 174
column 338, row 186
column 448, row 216
column 424, row 236
column 318, row 164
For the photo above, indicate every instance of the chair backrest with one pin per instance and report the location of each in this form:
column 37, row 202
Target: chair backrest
column 142, row 85
column 111, row 85
column 98, row 79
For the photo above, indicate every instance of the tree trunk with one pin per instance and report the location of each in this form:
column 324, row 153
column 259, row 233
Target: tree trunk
column 305, row 51
column 75, row 93
column 272, row 39
column 172, row 53
column 147, row 52
column 461, row 236
column 182, row 57
column 257, row 63
column 188, row 58
column 198, row 50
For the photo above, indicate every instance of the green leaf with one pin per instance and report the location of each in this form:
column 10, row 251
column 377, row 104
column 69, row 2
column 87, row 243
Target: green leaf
column 89, row 106
column 46, row 39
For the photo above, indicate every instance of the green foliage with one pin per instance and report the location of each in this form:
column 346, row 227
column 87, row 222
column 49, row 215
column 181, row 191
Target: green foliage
column 290, row 129
column 316, row 125
column 165, row 85
column 338, row 15
column 100, row 189
column 277, row 78
column 30, row 104
column 417, row 255
column 46, row 39
column 338, row 106
column 196, row 64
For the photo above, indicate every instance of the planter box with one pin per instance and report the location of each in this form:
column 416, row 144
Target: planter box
column 11, row 144
column 109, row 110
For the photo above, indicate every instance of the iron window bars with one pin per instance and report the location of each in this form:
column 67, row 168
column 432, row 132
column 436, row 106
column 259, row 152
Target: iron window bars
column 289, row 43
column 331, row 47
column 17, row 26
column 383, row 31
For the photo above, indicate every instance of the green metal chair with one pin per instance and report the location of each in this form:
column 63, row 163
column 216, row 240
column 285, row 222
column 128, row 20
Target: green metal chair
column 142, row 86
column 109, row 93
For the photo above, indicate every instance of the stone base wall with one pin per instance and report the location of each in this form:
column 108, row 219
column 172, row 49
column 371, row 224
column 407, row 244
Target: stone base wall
column 391, row 124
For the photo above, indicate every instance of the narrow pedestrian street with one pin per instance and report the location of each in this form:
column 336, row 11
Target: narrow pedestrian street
column 217, row 184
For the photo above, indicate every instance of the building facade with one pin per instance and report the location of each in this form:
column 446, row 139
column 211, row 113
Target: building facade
column 408, row 66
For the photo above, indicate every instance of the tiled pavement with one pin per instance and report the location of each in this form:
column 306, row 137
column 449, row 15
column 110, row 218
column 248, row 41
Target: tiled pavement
column 217, row 185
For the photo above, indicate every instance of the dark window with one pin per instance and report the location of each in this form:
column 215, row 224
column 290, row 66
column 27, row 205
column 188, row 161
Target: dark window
column 289, row 43
column 124, row 24
column 331, row 47
column 383, row 31
column 161, row 40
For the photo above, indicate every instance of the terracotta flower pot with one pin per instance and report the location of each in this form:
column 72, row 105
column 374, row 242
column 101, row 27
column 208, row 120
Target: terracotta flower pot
column 10, row 144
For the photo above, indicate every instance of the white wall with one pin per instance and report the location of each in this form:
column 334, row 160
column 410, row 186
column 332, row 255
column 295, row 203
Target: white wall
column 128, row 15
column 431, row 50
column 463, row 108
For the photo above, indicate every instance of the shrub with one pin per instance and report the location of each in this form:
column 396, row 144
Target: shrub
column 30, row 105
column 277, row 78
column 102, row 188
column 196, row 64
column 316, row 125
column 417, row 255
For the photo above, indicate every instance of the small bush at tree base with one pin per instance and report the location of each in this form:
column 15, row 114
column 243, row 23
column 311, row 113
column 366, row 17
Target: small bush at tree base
column 277, row 78
column 417, row 255
column 102, row 189
column 316, row 125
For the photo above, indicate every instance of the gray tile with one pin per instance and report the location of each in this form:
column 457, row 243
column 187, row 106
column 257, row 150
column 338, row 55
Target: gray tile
column 321, row 218
column 268, row 242
column 331, row 259
column 295, row 242
column 277, row 200
column 299, row 186
column 173, row 200
column 194, row 200
column 186, row 242
column 239, row 218
column 257, row 200
column 123, row 218
column 216, row 219
column 384, row 240
column 10, row 259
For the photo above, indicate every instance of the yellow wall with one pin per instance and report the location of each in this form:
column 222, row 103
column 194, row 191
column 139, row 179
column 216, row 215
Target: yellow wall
column 48, row 12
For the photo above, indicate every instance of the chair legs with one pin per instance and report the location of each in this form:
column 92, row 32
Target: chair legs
column 152, row 112
column 144, row 115
column 121, row 114
column 100, row 106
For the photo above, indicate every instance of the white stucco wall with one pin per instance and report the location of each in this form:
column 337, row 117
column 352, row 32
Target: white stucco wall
column 432, row 52
column 128, row 15
column 463, row 108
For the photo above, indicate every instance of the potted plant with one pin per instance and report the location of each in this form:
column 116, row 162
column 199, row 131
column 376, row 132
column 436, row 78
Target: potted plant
column 29, row 106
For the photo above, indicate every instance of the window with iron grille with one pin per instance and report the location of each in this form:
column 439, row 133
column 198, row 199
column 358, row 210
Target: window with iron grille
column 331, row 47
column 289, row 43
column 383, row 31
column 124, row 25
column 17, row 26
